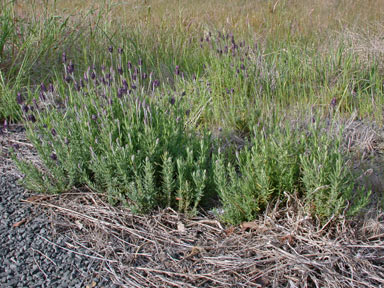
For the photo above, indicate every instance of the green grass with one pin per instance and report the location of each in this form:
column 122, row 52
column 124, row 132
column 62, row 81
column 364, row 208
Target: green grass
column 229, row 67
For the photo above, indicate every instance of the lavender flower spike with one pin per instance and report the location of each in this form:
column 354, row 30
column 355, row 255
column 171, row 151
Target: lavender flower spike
column 53, row 156
column 70, row 67
column 64, row 57
column 43, row 88
column 19, row 98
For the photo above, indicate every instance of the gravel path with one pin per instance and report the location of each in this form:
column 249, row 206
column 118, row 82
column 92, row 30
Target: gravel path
column 32, row 252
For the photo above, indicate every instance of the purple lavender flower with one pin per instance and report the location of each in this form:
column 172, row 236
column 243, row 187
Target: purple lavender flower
column 133, row 87
column 70, row 67
column 177, row 70
column 156, row 83
column 129, row 65
column 53, row 132
column 53, row 156
column 110, row 49
column 188, row 112
column 94, row 117
column 134, row 76
column 172, row 100
column 140, row 62
column 19, row 98
column 43, row 88
column 51, row 88
column 144, row 76
column 77, row 86
column 64, row 57
column 120, row 70
column 334, row 102
column 42, row 96
column 120, row 50
column 67, row 79
column 93, row 75
column 120, row 93
column 31, row 118
column 125, row 83
column 86, row 76
column 25, row 108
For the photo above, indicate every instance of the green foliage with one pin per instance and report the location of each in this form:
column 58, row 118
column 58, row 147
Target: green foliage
column 327, row 178
column 282, row 159
column 145, row 152
column 140, row 153
column 260, row 173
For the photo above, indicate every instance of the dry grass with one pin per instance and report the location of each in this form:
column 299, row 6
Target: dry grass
column 299, row 18
column 284, row 248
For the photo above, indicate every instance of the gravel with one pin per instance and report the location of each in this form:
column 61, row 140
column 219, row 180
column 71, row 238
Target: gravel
column 32, row 253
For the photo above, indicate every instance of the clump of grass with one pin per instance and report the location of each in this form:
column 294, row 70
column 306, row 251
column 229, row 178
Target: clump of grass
column 30, row 48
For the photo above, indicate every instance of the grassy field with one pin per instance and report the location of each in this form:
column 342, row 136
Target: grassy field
column 316, row 51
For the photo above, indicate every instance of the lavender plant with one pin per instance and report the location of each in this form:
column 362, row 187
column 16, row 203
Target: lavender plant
column 112, row 131
column 281, row 160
